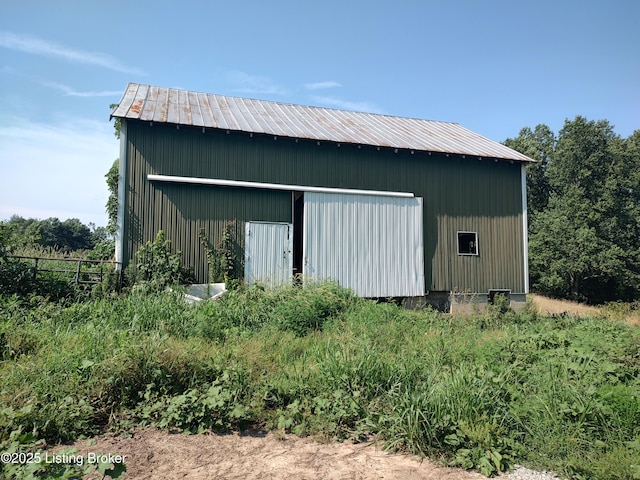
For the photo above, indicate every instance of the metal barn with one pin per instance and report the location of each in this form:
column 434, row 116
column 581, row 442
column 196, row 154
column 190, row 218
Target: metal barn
column 387, row 206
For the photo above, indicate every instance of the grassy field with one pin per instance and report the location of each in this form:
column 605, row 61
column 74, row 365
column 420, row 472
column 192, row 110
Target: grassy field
column 555, row 392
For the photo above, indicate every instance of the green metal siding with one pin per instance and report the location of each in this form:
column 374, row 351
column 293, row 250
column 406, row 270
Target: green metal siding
column 183, row 211
column 459, row 194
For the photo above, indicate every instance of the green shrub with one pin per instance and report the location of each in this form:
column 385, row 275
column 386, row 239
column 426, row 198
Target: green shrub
column 294, row 308
column 157, row 267
column 302, row 310
column 19, row 278
column 103, row 250
column 16, row 277
column 218, row 406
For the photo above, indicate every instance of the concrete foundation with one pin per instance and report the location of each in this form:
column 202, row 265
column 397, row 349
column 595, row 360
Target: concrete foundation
column 464, row 303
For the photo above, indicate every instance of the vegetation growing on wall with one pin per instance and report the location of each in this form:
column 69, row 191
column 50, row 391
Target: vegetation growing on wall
column 113, row 178
column 225, row 261
column 157, row 266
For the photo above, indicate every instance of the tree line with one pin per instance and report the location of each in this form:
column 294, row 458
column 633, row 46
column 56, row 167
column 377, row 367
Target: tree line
column 583, row 210
column 65, row 236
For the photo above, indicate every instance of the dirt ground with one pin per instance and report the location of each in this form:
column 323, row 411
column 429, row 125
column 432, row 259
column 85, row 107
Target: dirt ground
column 154, row 454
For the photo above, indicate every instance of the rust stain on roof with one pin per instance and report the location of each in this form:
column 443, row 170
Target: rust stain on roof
column 168, row 105
column 136, row 107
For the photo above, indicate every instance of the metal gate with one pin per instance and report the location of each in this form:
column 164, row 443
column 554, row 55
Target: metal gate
column 268, row 257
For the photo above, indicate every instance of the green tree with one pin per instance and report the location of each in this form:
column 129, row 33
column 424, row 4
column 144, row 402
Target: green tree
column 538, row 144
column 68, row 235
column 27, row 230
column 583, row 243
column 6, row 245
column 104, row 243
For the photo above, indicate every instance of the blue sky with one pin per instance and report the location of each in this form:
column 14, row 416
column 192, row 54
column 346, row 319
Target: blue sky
column 491, row 66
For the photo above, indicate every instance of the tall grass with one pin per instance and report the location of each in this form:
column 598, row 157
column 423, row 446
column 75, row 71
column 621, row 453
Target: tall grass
column 479, row 392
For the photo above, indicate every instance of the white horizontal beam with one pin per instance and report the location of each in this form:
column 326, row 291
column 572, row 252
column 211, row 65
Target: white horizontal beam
column 274, row 186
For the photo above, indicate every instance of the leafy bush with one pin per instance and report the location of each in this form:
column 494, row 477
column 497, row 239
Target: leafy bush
column 157, row 266
column 293, row 308
column 17, row 277
column 218, row 406
column 226, row 260
column 103, row 250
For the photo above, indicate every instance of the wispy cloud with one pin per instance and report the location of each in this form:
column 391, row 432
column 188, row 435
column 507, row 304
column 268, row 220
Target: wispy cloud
column 70, row 92
column 38, row 46
column 255, row 84
column 322, row 85
column 347, row 104
column 57, row 169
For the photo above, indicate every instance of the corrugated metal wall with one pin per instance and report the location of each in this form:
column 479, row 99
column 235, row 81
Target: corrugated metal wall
column 183, row 211
column 370, row 244
column 268, row 253
column 460, row 194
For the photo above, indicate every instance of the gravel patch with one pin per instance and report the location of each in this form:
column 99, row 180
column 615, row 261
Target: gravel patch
column 523, row 473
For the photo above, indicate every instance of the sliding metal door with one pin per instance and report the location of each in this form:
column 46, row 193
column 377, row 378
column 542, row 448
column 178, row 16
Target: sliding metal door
column 371, row 244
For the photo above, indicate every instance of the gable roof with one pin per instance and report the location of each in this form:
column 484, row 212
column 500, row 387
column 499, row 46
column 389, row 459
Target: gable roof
column 181, row 107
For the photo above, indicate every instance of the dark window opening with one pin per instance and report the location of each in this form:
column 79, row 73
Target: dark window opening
column 298, row 220
column 467, row 243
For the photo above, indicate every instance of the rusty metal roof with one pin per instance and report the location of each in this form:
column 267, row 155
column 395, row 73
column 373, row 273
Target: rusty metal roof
column 181, row 107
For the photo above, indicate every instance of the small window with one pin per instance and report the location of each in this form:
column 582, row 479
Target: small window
column 467, row 243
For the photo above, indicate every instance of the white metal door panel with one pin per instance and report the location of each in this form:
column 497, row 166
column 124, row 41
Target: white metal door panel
column 268, row 257
column 371, row 244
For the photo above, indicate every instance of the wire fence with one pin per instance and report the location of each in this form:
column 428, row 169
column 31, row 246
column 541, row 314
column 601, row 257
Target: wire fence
column 83, row 271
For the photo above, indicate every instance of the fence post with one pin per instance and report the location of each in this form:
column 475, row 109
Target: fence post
column 78, row 272
column 35, row 270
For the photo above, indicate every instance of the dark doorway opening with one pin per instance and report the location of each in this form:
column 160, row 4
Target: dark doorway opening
column 298, row 227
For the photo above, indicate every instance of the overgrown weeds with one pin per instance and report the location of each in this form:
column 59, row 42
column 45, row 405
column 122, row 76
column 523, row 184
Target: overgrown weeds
column 479, row 392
